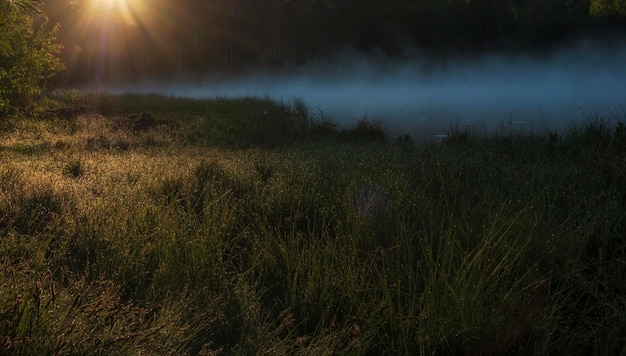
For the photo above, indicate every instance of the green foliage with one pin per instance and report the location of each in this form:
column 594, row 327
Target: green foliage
column 31, row 59
column 22, row 5
column 608, row 8
column 5, row 48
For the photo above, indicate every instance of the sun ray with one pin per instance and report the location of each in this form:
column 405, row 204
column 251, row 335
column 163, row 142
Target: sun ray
column 108, row 33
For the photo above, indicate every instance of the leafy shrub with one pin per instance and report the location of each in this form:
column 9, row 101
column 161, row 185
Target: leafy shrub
column 33, row 59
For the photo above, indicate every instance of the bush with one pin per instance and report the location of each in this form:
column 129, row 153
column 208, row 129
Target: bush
column 31, row 61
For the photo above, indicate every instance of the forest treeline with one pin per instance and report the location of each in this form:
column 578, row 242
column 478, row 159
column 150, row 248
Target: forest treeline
column 159, row 39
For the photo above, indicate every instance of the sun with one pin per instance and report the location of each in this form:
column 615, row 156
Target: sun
column 111, row 2
column 114, row 37
column 126, row 10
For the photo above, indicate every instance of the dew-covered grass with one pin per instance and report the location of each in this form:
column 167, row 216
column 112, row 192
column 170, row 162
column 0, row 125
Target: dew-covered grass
column 247, row 226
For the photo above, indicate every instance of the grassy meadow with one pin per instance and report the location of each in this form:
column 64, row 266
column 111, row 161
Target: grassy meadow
column 156, row 225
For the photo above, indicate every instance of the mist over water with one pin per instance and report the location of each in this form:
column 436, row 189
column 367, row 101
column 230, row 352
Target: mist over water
column 423, row 99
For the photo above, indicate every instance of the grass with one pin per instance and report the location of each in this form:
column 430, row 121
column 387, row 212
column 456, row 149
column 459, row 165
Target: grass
column 246, row 226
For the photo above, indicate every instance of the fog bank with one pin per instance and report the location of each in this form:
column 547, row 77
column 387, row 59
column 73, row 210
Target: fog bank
column 424, row 99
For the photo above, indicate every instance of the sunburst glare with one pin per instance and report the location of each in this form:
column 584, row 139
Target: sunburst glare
column 112, row 32
column 119, row 8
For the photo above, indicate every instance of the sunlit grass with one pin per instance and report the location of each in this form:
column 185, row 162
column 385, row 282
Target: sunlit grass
column 183, row 238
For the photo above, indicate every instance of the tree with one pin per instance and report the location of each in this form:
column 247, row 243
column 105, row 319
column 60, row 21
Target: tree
column 608, row 8
column 23, row 5
column 31, row 57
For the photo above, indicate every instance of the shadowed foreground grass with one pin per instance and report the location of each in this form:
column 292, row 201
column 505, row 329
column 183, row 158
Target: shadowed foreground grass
column 250, row 227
